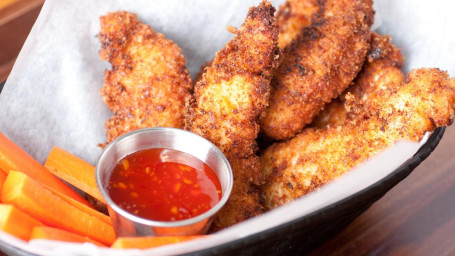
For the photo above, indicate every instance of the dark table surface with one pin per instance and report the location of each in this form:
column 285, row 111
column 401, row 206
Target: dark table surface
column 417, row 217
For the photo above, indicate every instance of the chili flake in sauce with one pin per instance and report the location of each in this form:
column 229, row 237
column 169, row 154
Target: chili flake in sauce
column 164, row 185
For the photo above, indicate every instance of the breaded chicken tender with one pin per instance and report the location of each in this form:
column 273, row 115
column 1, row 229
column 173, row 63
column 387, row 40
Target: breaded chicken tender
column 293, row 16
column 380, row 76
column 148, row 83
column 426, row 100
column 227, row 103
column 318, row 66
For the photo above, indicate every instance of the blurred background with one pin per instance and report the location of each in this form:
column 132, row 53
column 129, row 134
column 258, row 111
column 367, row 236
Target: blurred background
column 16, row 21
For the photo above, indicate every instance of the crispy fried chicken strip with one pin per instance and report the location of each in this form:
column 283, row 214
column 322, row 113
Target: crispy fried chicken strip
column 227, row 103
column 148, row 83
column 318, row 66
column 202, row 71
column 426, row 100
column 380, row 76
column 293, row 16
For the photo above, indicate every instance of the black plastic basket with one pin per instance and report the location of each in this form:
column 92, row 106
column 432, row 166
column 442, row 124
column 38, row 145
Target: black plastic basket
column 305, row 233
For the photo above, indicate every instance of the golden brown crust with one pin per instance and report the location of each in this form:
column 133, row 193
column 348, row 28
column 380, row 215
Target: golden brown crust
column 235, row 88
column 227, row 103
column 334, row 113
column 202, row 71
column 245, row 200
column 318, row 66
column 148, row 82
column 293, row 16
column 380, row 75
column 426, row 100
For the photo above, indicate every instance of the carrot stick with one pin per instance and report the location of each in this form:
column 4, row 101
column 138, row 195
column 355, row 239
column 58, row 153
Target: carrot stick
column 59, row 235
column 84, row 208
column 12, row 157
column 73, row 170
column 44, row 205
column 2, row 178
column 16, row 222
column 149, row 242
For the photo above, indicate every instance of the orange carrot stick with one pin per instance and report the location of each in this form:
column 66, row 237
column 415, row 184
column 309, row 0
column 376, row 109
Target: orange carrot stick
column 44, row 205
column 12, row 157
column 16, row 222
column 84, row 208
column 2, row 178
column 59, row 235
column 149, row 242
column 73, row 170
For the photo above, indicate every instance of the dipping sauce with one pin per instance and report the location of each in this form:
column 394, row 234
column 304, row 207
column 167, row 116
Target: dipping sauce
column 164, row 185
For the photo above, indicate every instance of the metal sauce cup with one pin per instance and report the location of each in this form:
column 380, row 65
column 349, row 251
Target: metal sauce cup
column 128, row 224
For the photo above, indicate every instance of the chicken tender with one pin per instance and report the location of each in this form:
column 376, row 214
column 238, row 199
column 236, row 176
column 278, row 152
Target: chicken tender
column 227, row 103
column 293, row 16
column 318, row 66
column 202, row 71
column 380, row 76
column 426, row 100
column 148, row 83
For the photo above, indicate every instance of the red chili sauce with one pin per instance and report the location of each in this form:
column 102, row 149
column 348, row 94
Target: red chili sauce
column 164, row 185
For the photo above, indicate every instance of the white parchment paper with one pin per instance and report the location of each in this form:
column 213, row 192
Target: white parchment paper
column 52, row 95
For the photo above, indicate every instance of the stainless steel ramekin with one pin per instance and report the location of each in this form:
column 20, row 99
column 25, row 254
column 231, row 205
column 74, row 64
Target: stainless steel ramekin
column 127, row 224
